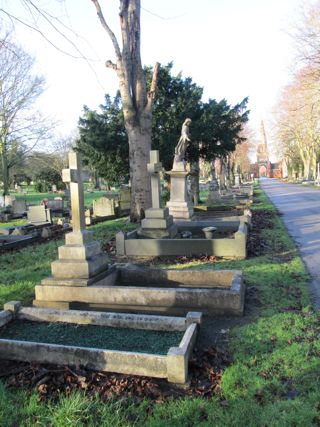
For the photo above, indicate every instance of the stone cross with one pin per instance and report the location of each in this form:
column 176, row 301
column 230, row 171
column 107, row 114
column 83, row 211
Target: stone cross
column 154, row 167
column 74, row 176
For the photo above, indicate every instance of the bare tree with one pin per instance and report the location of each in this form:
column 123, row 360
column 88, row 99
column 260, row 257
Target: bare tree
column 240, row 157
column 307, row 38
column 21, row 128
column 297, row 121
column 137, row 101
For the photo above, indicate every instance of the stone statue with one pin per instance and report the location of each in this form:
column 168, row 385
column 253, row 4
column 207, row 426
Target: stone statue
column 181, row 147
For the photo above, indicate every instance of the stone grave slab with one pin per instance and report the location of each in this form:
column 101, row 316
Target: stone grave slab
column 232, row 247
column 173, row 365
column 16, row 242
column 138, row 289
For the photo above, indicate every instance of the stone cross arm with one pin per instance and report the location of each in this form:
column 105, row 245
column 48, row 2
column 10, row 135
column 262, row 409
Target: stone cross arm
column 75, row 177
column 154, row 168
column 72, row 175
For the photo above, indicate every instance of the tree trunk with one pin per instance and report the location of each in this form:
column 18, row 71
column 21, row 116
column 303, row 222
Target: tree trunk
column 5, row 174
column 137, row 102
column 222, row 176
column 139, row 151
column 229, row 178
column 194, row 179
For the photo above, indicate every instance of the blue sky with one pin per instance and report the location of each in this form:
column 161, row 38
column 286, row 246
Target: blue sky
column 233, row 48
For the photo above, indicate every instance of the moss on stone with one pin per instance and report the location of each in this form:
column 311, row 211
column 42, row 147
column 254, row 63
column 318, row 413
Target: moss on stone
column 107, row 338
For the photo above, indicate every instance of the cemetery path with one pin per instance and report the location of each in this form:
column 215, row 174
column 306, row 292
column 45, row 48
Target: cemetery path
column 300, row 209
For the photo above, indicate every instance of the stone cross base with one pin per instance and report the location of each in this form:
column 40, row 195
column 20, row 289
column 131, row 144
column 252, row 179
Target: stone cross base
column 158, row 224
column 80, row 261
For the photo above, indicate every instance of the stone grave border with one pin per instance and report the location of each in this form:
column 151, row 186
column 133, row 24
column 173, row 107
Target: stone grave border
column 129, row 244
column 173, row 366
column 138, row 289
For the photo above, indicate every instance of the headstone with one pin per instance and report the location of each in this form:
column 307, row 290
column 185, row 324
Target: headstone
column 54, row 188
column 55, row 205
column 214, row 194
column 81, row 261
column 104, row 206
column 38, row 215
column 157, row 222
column 19, row 207
column 125, row 200
column 6, row 200
column 237, row 180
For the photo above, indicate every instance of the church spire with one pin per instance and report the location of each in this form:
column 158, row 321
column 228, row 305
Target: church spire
column 263, row 136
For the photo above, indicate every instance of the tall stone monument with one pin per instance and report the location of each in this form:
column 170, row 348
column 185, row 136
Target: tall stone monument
column 81, row 262
column 157, row 222
column 214, row 194
column 237, row 176
column 180, row 206
column 263, row 162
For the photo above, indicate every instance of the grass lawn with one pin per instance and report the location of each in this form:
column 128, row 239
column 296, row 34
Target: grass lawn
column 274, row 376
column 34, row 198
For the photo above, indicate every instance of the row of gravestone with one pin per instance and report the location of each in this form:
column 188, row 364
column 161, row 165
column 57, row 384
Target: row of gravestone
column 111, row 204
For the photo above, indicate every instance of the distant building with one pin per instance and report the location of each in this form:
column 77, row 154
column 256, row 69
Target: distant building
column 263, row 166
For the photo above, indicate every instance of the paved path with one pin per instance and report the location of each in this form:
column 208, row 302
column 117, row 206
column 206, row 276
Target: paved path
column 300, row 207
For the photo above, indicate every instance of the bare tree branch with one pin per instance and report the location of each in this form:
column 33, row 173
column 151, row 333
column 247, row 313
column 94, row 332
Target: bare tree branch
column 108, row 30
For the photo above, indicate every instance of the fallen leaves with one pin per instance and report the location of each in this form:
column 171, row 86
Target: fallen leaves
column 261, row 220
column 206, row 369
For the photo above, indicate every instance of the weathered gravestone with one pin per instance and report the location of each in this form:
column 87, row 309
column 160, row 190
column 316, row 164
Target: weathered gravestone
column 6, row 200
column 214, row 194
column 81, row 262
column 19, row 208
column 106, row 206
column 56, row 206
column 39, row 215
column 125, row 200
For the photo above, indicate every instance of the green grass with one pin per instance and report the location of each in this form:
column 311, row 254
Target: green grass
column 13, row 223
column 20, row 271
column 274, row 377
column 34, row 198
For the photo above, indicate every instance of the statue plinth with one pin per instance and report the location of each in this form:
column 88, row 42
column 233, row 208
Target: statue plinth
column 180, row 206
